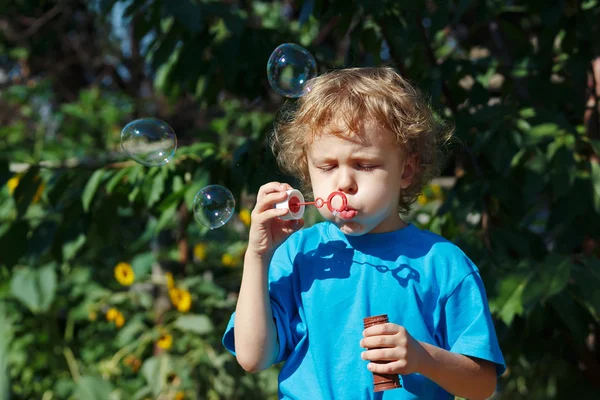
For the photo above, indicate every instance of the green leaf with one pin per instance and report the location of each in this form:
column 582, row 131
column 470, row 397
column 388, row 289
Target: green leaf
column 35, row 288
column 542, row 131
column 71, row 248
column 6, row 336
column 130, row 332
column 142, row 264
column 166, row 217
column 47, row 285
column 158, row 187
column 93, row 388
column 551, row 278
column 509, row 303
column 23, row 287
column 116, row 179
column 527, row 112
column 90, row 188
column 587, row 5
column 556, row 274
column 587, row 281
column 195, row 323
column 155, row 370
column 143, row 393
column 595, row 177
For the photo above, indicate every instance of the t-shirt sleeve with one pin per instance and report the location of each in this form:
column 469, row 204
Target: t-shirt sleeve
column 283, row 307
column 469, row 327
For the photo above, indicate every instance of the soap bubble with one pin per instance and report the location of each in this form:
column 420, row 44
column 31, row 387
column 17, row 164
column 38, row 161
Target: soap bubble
column 149, row 141
column 213, row 206
column 289, row 68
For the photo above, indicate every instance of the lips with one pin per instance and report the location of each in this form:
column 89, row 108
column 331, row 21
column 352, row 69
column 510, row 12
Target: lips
column 348, row 213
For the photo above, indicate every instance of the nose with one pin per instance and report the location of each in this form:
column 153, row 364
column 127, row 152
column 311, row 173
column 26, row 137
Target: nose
column 346, row 182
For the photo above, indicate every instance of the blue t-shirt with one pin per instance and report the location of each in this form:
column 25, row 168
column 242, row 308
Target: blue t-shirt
column 322, row 284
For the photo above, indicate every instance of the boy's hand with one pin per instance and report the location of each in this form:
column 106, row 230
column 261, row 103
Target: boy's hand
column 392, row 349
column 267, row 230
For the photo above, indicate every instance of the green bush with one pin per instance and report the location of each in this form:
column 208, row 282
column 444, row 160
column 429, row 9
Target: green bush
column 521, row 194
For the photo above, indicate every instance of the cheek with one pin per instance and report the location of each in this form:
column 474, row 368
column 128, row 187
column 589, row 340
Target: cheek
column 380, row 190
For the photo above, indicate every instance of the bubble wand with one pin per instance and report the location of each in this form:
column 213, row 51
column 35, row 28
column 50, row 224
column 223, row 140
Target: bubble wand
column 295, row 203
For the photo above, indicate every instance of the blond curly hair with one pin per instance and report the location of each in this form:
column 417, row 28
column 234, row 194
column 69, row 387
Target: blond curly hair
column 339, row 101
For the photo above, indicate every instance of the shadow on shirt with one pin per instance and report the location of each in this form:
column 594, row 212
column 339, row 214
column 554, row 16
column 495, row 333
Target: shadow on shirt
column 333, row 260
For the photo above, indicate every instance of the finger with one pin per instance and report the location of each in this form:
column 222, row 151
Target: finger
column 372, row 342
column 383, row 329
column 268, row 201
column 269, row 188
column 270, row 214
column 384, row 354
column 392, row 367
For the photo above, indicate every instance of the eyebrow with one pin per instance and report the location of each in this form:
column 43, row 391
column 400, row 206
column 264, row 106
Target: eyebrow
column 356, row 157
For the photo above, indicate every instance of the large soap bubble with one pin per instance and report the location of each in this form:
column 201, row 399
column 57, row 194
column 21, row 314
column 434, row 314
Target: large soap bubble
column 289, row 69
column 149, row 141
column 213, row 206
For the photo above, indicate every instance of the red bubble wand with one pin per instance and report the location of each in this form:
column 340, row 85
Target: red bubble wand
column 295, row 203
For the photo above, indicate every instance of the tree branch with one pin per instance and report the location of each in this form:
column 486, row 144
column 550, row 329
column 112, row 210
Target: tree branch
column 35, row 26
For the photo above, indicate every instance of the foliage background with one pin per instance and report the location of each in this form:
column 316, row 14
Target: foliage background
column 520, row 80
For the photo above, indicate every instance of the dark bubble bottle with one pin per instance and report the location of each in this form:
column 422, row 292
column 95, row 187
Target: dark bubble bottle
column 381, row 382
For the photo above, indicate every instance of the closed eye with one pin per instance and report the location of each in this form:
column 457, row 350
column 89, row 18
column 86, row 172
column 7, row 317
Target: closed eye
column 366, row 167
column 326, row 168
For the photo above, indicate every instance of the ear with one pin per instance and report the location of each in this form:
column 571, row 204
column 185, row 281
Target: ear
column 411, row 166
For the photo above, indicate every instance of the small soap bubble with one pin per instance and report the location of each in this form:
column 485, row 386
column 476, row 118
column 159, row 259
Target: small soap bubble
column 213, row 206
column 149, row 141
column 289, row 69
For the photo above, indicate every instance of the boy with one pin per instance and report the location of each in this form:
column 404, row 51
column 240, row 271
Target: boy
column 367, row 133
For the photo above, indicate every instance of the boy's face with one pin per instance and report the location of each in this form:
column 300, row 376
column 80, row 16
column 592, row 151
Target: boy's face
column 369, row 169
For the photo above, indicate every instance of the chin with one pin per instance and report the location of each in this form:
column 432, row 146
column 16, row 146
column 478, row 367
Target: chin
column 351, row 228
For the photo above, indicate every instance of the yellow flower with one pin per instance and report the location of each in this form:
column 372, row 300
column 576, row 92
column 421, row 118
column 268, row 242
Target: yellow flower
column 112, row 314
column 245, row 216
column 124, row 274
column 13, row 183
column 181, row 298
column 179, row 396
column 120, row 320
column 200, row 252
column 228, row 260
column 436, row 190
column 185, row 301
column 170, row 280
column 174, row 295
column 422, row 200
column 165, row 341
